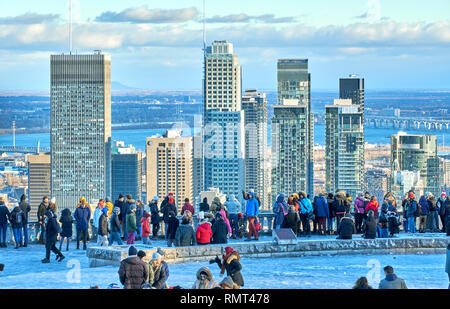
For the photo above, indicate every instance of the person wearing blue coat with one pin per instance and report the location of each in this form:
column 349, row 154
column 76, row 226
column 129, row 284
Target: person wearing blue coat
column 323, row 213
column 4, row 216
column 252, row 211
column 82, row 215
column 410, row 210
column 305, row 213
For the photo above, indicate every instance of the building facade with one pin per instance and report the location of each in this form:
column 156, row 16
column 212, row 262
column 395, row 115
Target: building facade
column 353, row 88
column 289, row 144
column 223, row 119
column 257, row 174
column 38, row 180
column 80, row 128
column 294, row 88
column 417, row 153
column 344, row 148
column 126, row 171
column 169, row 167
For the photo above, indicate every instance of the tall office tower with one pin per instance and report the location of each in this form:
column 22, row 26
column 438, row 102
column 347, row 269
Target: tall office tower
column 289, row 135
column 417, row 153
column 169, row 166
column 377, row 183
column 352, row 88
column 344, row 148
column 126, row 168
column 254, row 105
column 80, row 128
column 223, row 118
column 38, row 179
column 294, row 92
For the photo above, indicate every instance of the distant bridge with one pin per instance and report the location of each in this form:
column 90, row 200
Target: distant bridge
column 392, row 122
column 21, row 149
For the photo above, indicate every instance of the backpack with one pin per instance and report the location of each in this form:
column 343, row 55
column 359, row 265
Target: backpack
column 19, row 217
column 341, row 206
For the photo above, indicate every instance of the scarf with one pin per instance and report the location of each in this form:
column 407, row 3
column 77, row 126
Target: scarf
column 226, row 257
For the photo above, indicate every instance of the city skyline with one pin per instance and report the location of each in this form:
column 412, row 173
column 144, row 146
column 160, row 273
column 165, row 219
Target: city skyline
column 376, row 39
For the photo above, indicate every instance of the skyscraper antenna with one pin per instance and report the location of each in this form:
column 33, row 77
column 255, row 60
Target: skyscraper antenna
column 70, row 26
column 204, row 26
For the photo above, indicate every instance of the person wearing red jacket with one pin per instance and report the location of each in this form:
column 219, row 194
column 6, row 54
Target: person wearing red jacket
column 145, row 228
column 187, row 206
column 204, row 232
column 373, row 205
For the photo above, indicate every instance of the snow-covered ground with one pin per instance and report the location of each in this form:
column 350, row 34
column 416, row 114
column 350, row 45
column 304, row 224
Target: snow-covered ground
column 23, row 269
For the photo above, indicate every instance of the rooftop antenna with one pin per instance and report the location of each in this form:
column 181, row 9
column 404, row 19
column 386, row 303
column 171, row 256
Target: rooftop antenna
column 70, row 26
column 204, row 27
column 14, row 133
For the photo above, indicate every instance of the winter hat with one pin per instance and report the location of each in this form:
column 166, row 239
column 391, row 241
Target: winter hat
column 132, row 251
column 443, row 193
column 116, row 210
column 239, row 215
column 120, row 195
column 411, row 195
column 105, row 210
column 155, row 198
column 81, row 199
column 156, row 256
column 141, row 254
column 228, row 250
column 201, row 215
column 228, row 281
column 170, row 194
column 146, row 215
column 129, row 197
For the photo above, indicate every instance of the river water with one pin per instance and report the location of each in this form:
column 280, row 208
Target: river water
column 137, row 137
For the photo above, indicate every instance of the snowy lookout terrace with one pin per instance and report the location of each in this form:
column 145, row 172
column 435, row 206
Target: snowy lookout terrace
column 268, row 247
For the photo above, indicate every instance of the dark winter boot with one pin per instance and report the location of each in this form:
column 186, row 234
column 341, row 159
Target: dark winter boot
column 68, row 242
column 45, row 261
column 61, row 257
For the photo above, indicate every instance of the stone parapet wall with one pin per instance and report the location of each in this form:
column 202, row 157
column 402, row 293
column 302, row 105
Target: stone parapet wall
column 101, row 256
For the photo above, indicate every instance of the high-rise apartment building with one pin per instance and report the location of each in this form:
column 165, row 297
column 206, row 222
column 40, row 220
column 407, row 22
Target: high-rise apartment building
column 169, row 166
column 417, row 153
column 80, row 128
column 257, row 175
column 223, row 120
column 126, row 171
column 38, row 180
column 344, row 147
column 289, row 153
column 352, row 88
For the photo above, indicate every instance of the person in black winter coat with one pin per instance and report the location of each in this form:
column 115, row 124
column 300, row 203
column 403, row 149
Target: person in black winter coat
column 133, row 272
column 185, row 235
column 173, row 224
column 66, row 222
column 393, row 222
column 103, row 228
column 52, row 228
column 219, row 230
column 231, row 264
column 204, row 206
column 155, row 217
column 120, row 203
column 4, row 216
column 17, row 219
column 26, row 208
column 346, row 227
column 291, row 220
column 370, row 226
column 115, row 227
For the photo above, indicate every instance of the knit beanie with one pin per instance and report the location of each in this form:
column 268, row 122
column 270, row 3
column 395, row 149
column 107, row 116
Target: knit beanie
column 156, row 256
column 132, row 251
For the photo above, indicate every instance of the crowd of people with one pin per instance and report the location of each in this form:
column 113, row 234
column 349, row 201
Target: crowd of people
column 329, row 214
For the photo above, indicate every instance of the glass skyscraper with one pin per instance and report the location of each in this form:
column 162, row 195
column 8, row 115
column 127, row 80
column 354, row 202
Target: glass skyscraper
column 294, row 93
column 223, row 120
column 344, row 148
column 80, row 128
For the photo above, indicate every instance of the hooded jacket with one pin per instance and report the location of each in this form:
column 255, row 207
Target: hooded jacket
column 154, row 212
column 370, row 227
column 219, row 232
column 185, row 236
column 252, row 207
column 280, row 209
column 346, row 228
column 51, row 228
column 17, row 218
column 423, row 202
column 145, row 227
column 322, row 209
column 305, row 206
column 133, row 273
column 233, row 206
column 231, row 264
column 131, row 222
column 373, row 205
column 341, row 204
column 208, row 283
column 204, row 233
column 410, row 208
column 392, row 282
column 167, row 207
column 359, row 205
column 66, row 223
column 291, row 221
column 115, row 222
column 25, row 207
column 110, row 206
column 187, row 206
column 204, row 205
column 103, row 226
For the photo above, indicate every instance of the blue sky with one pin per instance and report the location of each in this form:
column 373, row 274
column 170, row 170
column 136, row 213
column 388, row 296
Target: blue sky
column 394, row 44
